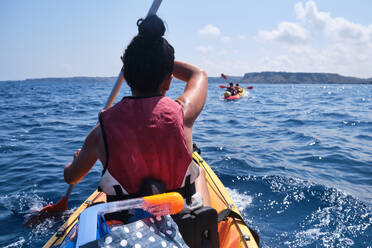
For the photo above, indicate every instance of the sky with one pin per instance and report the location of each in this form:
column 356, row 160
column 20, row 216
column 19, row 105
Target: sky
column 40, row 38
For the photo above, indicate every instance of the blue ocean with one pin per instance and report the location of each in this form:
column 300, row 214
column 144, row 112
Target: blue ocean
column 297, row 159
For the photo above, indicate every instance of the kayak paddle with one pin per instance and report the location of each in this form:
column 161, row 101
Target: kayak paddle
column 48, row 211
column 61, row 205
column 224, row 77
column 222, row 86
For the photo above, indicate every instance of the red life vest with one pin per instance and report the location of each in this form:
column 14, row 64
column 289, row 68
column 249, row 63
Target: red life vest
column 144, row 139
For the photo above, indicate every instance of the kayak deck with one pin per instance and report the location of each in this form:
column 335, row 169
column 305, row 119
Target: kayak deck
column 232, row 233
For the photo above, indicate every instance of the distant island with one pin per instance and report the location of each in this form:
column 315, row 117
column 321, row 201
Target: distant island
column 300, row 78
column 251, row 78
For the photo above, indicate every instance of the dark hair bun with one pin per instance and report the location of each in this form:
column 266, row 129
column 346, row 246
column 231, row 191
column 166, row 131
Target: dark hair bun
column 151, row 27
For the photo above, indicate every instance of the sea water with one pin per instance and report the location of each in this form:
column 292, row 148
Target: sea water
column 297, row 159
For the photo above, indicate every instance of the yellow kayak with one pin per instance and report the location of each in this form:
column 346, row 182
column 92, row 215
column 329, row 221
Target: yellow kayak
column 228, row 96
column 233, row 231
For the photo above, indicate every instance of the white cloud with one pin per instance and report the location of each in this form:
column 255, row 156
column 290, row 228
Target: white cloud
column 226, row 39
column 204, row 49
column 310, row 12
column 275, row 63
column 318, row 42
column 210, row 31
column 339, row 29
column 287, row 32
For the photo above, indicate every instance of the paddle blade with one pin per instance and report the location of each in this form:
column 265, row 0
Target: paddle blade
column 37, row 217
column 223, row 75
column 250, row 87
column 54, row 210
column 34, row 219
column 222, row 86
column 60, row 206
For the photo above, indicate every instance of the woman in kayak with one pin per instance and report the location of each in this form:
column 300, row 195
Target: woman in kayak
column 231, row 89
column 148, row 135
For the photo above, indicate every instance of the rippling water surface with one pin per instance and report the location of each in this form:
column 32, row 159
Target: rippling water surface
column 297, row 159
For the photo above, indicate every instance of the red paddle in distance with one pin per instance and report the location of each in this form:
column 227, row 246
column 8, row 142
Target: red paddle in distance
column 224, row 77
column 223, row 86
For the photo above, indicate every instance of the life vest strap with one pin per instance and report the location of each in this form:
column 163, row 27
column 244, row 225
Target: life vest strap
column 187, row 191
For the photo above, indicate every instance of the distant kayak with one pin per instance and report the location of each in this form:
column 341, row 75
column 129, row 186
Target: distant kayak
column 228, row 96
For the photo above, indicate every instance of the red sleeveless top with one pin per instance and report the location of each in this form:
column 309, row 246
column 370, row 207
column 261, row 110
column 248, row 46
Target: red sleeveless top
column 144, row 139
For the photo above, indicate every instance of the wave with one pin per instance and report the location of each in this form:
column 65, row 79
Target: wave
column 325, row 217
column 21, row 205
column 364, row 137
column 19, row 243
column 292, row 123
column 357, row 123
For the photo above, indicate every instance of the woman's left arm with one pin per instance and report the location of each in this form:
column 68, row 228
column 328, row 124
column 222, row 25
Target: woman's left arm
column 84, row 159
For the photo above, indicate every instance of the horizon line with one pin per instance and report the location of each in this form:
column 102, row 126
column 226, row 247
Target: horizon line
column 70, row 77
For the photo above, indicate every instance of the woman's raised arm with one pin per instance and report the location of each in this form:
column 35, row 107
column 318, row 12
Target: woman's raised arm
column 195, row 94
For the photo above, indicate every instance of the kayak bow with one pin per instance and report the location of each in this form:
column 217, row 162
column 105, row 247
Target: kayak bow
column 233, row 230
column 234, row 97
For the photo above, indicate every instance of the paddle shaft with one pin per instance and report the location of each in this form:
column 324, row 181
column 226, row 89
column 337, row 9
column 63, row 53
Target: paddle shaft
column 119, row 81
column 224, row 77
column 69, row 190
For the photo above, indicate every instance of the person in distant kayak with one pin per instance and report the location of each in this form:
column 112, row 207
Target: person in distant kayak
column 237, row 88
column 148, row 135
column 231, row 89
